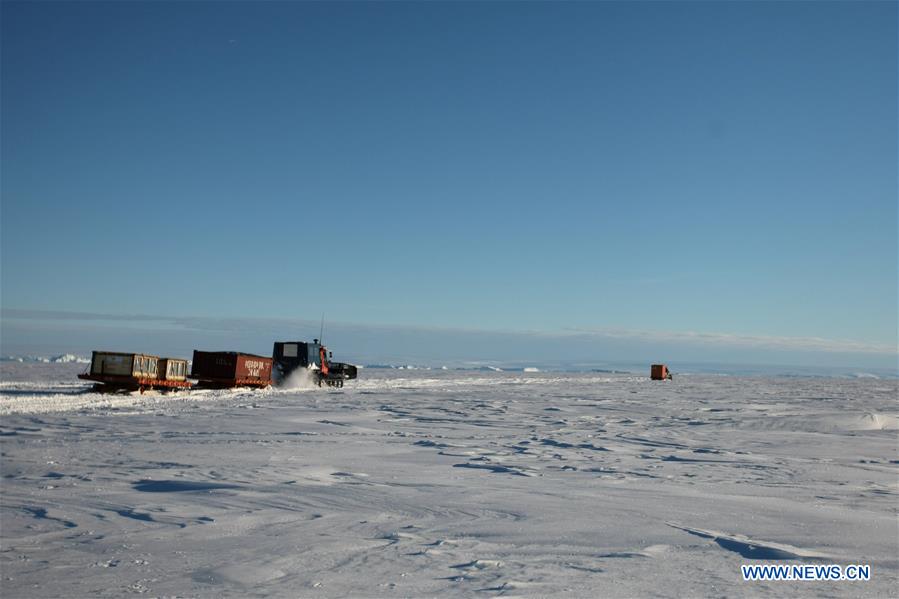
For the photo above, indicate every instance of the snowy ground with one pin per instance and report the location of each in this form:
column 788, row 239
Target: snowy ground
column 422, row 483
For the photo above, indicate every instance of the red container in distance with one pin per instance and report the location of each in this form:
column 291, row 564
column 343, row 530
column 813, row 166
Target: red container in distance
column 659, row 372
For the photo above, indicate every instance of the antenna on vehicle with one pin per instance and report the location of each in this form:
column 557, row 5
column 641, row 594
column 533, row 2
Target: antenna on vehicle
column 321, row 331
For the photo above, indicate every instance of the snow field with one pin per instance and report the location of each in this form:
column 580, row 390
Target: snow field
column 451, row 483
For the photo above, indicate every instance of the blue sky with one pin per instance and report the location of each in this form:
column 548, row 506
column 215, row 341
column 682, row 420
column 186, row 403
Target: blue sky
column 658, row 168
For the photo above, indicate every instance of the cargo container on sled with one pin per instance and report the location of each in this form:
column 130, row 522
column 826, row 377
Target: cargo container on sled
column 223, row 369
column 118, row 370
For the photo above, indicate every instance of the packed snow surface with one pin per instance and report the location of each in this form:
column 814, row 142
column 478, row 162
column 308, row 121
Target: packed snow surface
column 424, row 483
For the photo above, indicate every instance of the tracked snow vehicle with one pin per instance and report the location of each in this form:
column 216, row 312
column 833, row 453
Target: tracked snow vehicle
column 289, row 356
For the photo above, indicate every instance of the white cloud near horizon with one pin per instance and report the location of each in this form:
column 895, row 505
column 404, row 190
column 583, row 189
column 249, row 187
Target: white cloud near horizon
column 747, row 341
column 304, row 328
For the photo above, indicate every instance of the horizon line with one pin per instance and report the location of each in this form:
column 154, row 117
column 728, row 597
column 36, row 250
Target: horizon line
column 777, row 342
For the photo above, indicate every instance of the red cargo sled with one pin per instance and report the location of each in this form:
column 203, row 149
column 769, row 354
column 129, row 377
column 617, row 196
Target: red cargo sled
column 224, row 369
